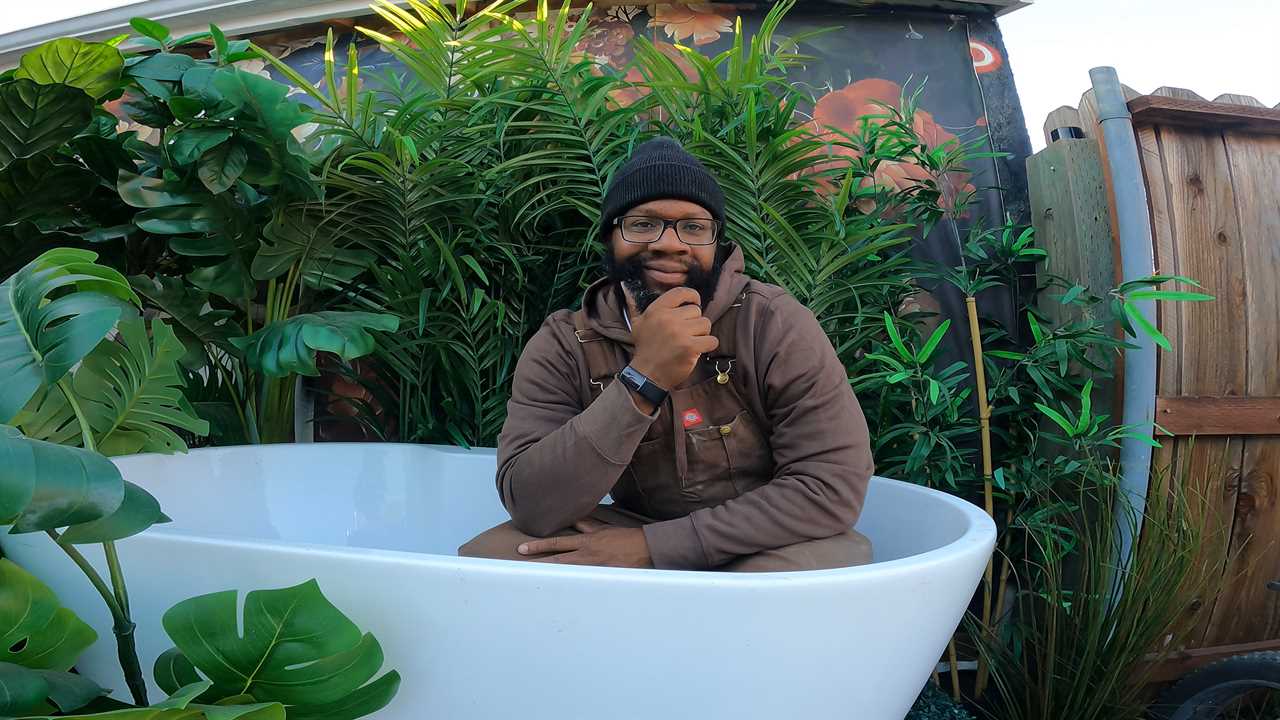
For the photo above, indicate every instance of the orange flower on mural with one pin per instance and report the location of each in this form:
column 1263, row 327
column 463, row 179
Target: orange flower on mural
column 843, row 109
column 608, row 42
column 697, row 20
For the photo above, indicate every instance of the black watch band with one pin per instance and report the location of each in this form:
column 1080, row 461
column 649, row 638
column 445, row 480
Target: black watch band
column 636, row 381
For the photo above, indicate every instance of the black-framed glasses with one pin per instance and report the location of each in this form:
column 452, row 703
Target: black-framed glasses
column 644, row 229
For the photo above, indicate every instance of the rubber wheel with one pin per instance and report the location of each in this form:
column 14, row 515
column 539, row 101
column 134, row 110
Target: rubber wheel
column 1200, row 694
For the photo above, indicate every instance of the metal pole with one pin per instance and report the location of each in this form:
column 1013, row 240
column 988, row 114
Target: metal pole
column 1137, row 260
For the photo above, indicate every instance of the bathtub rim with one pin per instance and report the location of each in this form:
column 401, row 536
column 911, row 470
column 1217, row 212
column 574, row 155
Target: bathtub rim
column 980, row 530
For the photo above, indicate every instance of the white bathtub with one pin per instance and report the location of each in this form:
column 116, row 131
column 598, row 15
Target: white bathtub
column 474, row 639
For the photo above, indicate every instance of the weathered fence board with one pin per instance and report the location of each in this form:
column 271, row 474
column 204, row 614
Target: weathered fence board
column 1212, row 171
column 1250, row 608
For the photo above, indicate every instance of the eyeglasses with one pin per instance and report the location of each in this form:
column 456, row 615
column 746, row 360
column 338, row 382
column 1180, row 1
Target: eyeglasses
column 642, row 229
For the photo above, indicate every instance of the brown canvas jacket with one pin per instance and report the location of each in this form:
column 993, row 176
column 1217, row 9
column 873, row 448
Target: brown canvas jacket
column 797, row 463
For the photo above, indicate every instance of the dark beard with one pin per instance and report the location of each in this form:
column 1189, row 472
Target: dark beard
column 630, row 274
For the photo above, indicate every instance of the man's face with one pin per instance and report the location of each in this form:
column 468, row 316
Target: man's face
column 648, row 270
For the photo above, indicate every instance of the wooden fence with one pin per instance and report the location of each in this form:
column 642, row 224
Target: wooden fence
column 1212, row 172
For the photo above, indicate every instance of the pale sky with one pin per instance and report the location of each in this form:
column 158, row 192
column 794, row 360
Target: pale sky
column 1210, row 47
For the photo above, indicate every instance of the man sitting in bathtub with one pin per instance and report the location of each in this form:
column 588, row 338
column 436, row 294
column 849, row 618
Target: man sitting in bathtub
column 711, row 407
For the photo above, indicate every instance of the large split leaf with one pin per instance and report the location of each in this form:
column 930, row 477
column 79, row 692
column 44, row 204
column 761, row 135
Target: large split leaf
column 44, row 486
column 290, row 346
column 296, row 648
column 299, row 235
column 35, row 118
column 131, row 392
column 39, row 641
column 46, row 635
column 187, row 309
column 24, row 691
column 205, row 225
column 92, row 67
column 54, row 311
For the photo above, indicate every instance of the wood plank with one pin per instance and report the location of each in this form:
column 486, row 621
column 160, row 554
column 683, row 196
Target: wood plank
column 1063, row 124
column 1089, row 113
column 1070, row 212
column 1177, row 92
column 1199, row 415
column 1233, row 99
column 1168, row 314
column 1203, row 114
column 1248, row 611
column 1183, row 662
column 1206, row 233
column 1211, row 470
column 1251, row 611
column 1206, row 236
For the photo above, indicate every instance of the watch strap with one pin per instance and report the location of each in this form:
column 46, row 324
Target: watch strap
column 637, row 382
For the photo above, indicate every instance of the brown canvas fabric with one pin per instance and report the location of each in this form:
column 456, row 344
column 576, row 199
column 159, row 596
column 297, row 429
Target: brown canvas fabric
column 763, row 447
column 841, row 550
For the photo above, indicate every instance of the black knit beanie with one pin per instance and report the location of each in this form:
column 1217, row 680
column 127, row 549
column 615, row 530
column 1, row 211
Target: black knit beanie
column 660, row 169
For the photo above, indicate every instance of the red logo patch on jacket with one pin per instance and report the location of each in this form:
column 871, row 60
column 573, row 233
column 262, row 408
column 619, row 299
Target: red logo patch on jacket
column 691, row 417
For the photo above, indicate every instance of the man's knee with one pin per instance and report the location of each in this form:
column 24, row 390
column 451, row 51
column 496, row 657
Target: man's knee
column 848, row 549
column 497, row 543
column 500, row 543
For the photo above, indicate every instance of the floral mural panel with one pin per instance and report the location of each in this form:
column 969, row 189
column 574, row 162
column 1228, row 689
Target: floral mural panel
column 875, row 57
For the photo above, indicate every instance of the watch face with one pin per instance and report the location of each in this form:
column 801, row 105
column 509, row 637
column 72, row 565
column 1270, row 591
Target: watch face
column 633, row 378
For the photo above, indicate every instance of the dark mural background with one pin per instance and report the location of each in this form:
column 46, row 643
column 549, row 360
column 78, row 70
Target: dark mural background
column 959, row 62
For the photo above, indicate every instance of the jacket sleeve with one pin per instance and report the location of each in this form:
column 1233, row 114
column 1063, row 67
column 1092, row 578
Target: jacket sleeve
column 821, row 449
column 556, row 461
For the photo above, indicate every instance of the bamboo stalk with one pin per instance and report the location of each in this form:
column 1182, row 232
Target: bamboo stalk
column 954, row 662
column 984, row 670
column 984, row 424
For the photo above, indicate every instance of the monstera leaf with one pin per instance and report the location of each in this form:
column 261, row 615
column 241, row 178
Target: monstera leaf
column 128, row 391
column 43, row 640
column 43, row 337
column 196, row 324
column 24, row 691
column 35, row 118
column 204, row 226
column 296, row 648
column 179, row 706
column 92, row 67
column 49, row 636
column 131, row 392
column 297, row 235
column 290, row 346
column 44, row 486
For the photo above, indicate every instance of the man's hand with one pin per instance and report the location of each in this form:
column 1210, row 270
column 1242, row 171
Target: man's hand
column 608, row 547
column 670, row 336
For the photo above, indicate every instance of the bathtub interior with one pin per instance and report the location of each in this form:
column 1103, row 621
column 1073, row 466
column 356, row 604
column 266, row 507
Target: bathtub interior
column 420, row 499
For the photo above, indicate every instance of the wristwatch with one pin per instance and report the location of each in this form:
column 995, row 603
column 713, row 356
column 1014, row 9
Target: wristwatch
column 635, row 381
